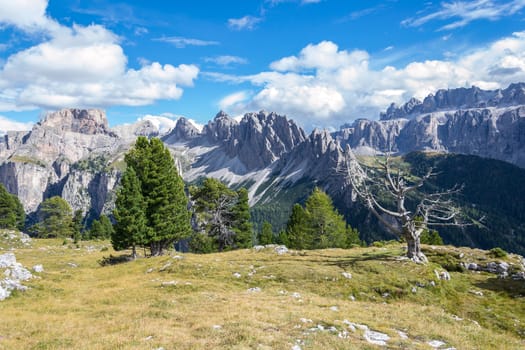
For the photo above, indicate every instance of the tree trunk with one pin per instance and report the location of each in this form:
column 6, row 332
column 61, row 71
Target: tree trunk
column 414, row 252
column 134, row 252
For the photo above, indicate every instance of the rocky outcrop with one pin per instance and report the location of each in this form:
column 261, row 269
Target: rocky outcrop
column 455, row 99
column 497, row 133
column 184, row 130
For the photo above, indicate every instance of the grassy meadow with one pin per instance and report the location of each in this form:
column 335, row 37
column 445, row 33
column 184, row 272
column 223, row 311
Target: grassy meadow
column 251, row 299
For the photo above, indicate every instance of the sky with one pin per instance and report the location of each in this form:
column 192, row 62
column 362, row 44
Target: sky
column 322, row 63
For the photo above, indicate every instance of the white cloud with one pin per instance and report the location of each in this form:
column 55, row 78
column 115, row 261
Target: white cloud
column 244, row 23
column 231, row 101
column 7, row 124
column 81, row 66
column 226, row 60
column 28, row 15
column 181, row 42
column 324, row 85
column 463, row 12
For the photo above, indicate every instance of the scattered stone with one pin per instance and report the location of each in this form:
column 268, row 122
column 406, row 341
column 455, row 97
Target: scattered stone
column 436, row 343
column 254, row 290
column 518, row 276
column 38, row 268
column 461, row 255
column 476, row 292
column 296, row 295
column 177, row 257
column 281, row 249
column 72, row 265
column 149, row 337
column 150, row 270
column 386, row 295
column 473, row 267
column 343, row 335
column 334, row 308
column 283, row 292
column 442, row 275
column 216, row 326
column 376, row 338
column 414, row 290
column 296, row 347
column 456, row 318
column 432, row 283
column 305, row 320
column 351, row 297
column 236, row 275
column 347, row 275
column 169, row 283
column 7, row 260
column 402, row 335
column 258, row 248
column 163, row 268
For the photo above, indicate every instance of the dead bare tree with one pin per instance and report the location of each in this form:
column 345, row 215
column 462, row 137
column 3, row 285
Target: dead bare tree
column 434, row 209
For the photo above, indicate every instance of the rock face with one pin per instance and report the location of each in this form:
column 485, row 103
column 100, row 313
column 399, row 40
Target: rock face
column 46, row 160
column 73, row 153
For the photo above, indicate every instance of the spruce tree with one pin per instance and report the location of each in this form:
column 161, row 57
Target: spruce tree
column 8, row 214
column 297, row 232
column 78, row 219
column 166, row 204
column 325, row 224
column 131, row 225
column 242, row 225
column 266, row 236
column 55, row 219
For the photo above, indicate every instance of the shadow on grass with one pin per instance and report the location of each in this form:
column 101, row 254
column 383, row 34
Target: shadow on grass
column 372, row 256
column 114, row 260
column 512, row 288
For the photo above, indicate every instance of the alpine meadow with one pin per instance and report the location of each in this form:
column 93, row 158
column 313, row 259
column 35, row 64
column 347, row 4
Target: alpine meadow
column 262, row 174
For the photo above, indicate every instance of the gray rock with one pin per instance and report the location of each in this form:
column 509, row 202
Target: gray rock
column 7, row 260
column 473, row 267
column 376, row 338
column 436, row 343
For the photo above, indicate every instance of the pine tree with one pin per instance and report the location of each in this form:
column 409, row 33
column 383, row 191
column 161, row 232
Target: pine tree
column 297, row 232
column 8, row 214
column 266, row 235
column 166, row 205
column 130, row 227
column 327, row 226
column 242, row 225
column 55, row 219
column 78, row 218
column 319, row 225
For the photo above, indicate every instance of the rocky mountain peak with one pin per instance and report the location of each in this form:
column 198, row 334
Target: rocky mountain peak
column 84, row 121
column 455, row 99
column 184, row 130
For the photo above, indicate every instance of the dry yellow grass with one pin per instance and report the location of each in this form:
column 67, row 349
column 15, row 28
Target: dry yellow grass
column 198, row 303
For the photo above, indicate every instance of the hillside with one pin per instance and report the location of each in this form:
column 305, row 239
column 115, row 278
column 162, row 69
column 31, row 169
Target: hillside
column 261, row 300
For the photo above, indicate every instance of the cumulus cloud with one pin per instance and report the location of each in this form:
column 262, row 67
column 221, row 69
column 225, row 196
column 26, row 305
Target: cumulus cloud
column 7, row 124
column 233, row 101
column 244, row 23
column 324, row 85
column 80, row 66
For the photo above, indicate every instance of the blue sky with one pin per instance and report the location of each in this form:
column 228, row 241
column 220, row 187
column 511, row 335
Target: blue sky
column 321, row 62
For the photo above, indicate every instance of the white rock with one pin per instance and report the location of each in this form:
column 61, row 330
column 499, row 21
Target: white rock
column 334, row 308
column 296, row 347
column 217, row 326
column 177, row 257
column 236, row 275
column 258, row 248
column 376, row 338
column 436, row 343
column 169, row 283
column 402, row 335
column 296, row 295
column 281, row 249
column 4, row 293
column 38, row 268
column 305, row 320
column 7, row 260
column 347, row 275
column 254, row 290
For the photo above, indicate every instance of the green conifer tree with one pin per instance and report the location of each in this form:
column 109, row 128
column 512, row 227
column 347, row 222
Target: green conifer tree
column 55, row 219
column 131, row 225
column 297, row 232
column 162, row 188
column 8, row 213
column 241, row 220
column 266, row 235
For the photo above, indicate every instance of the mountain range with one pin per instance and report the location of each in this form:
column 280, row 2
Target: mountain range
column 75, row 154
